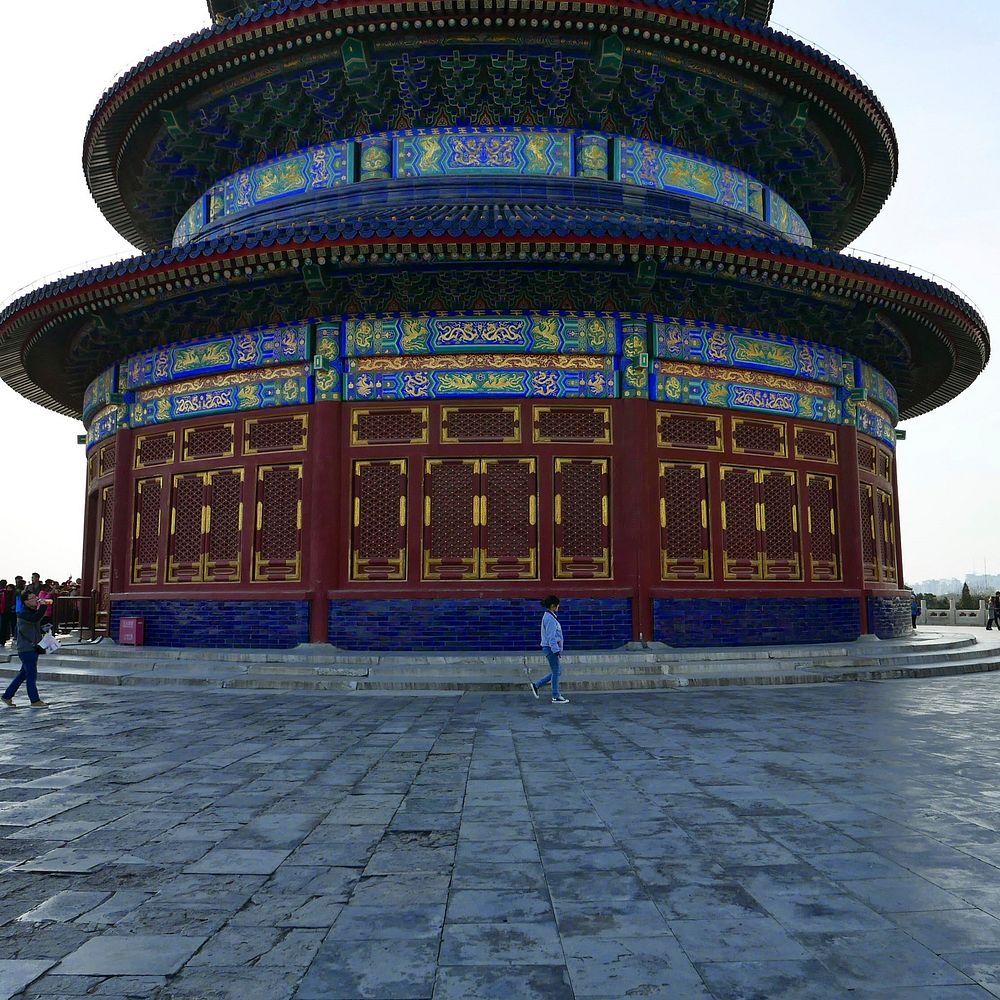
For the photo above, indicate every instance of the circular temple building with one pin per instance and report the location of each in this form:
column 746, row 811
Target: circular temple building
column 442, row 307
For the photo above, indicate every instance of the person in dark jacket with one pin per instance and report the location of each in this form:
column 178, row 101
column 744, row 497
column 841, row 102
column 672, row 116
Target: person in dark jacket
column 8, row 616
column 29, row 635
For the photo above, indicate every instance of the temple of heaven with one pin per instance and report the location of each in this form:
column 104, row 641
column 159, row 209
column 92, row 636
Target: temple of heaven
column 444, row 306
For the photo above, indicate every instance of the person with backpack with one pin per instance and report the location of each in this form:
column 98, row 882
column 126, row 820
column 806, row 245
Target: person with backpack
column 552, row 644
column 29, row 635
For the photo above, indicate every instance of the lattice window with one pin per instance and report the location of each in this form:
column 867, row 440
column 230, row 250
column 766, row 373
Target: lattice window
column 389, row 425
column 92, row 466
column 869, row 550
column 378, row 536
column 684, row 533
column 678, row 429
column 886, row 525
column 759, row 437
column 582, row 530
column 509, row 529
column 569, row 424
column 154, row 449
column 451, row 519
column 824, row 551
column 146, row 535
column 495, row 424
column 278, row 534
column 210, row 441
column 815, row 445
column 884, row 465
column 224, row 528
column 269, row 434
column 185, row 563
column 109, row 458
column 107, row 526
column 866, row 456
column 779, row 524
column 741, row 523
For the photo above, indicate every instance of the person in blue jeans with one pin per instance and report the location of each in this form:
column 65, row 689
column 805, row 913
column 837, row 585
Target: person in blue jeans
column 552, row 643
column 29, row 635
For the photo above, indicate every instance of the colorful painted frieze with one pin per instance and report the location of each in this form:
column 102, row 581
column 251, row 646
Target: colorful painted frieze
column 490, row 152
column 871, row 419
column 480, row 376
column 105, row 424
column 252, row 390
column 653, row 165
column 592, row 156
column 99, row 392
column 784, row 218
column 316, row 168
column 680, row 339
column 634, row 359
column 541, row 333
column 704, row 385
column 880, row 390
column 237, row 351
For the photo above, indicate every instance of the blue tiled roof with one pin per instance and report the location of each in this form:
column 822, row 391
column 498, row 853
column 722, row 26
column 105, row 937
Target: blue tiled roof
column 285, row 8
column 492, row 222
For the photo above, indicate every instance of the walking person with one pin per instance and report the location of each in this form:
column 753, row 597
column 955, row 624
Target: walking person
column 552, row 644
column 29, row 635
column 994, row 610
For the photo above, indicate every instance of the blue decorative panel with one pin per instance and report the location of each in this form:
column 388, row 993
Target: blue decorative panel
column 755, row 621
column 679, row 339
column 486, row 625
column 105, row 424
column 880, row 390
column 705, row 385
column 237, row 351
column 253, row 390
column 653, row 165
column 430, row 154
column 456, row 333
column 218, row 624
column 889, row 616
column 484, row 151
column 784, row 218
column 480, row 376
column 871, row 420
column 328, row 381
column 99, row 392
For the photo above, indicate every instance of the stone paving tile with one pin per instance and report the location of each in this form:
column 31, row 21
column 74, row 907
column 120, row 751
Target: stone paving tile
column 696, row 845
column 379, row 970
column 16, row 974
column 130, row 955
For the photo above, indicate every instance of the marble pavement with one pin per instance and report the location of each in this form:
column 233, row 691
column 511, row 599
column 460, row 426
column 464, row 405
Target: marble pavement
column 838, row 840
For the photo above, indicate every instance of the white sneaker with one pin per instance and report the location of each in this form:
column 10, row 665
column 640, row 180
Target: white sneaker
column 534, row 690
column 560, row 701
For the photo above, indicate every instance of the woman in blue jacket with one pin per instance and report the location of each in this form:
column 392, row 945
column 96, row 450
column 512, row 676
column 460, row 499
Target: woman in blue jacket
column 552, row 643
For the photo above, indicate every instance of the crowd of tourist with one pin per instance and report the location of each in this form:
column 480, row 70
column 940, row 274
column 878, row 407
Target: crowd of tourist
column 12, row 600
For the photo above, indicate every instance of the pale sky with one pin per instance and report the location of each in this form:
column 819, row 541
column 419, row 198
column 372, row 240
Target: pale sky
column 933, row 65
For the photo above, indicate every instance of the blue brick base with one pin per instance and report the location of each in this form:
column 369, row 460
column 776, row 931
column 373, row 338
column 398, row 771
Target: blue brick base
column 755, row 621
column 233, row 624
column 488, row 625
column 889, row 617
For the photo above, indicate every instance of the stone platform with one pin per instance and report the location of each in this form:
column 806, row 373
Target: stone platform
column 927, row 653
column 821, row 842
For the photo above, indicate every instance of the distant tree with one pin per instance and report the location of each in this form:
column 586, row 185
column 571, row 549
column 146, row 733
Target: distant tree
column 933, row 601
column 967, row 602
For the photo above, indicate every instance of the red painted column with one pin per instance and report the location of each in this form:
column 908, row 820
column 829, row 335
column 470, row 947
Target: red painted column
column 636, row 510
column 849, row 504
column 900, row 579
column 123, row 517
column 324, row 512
